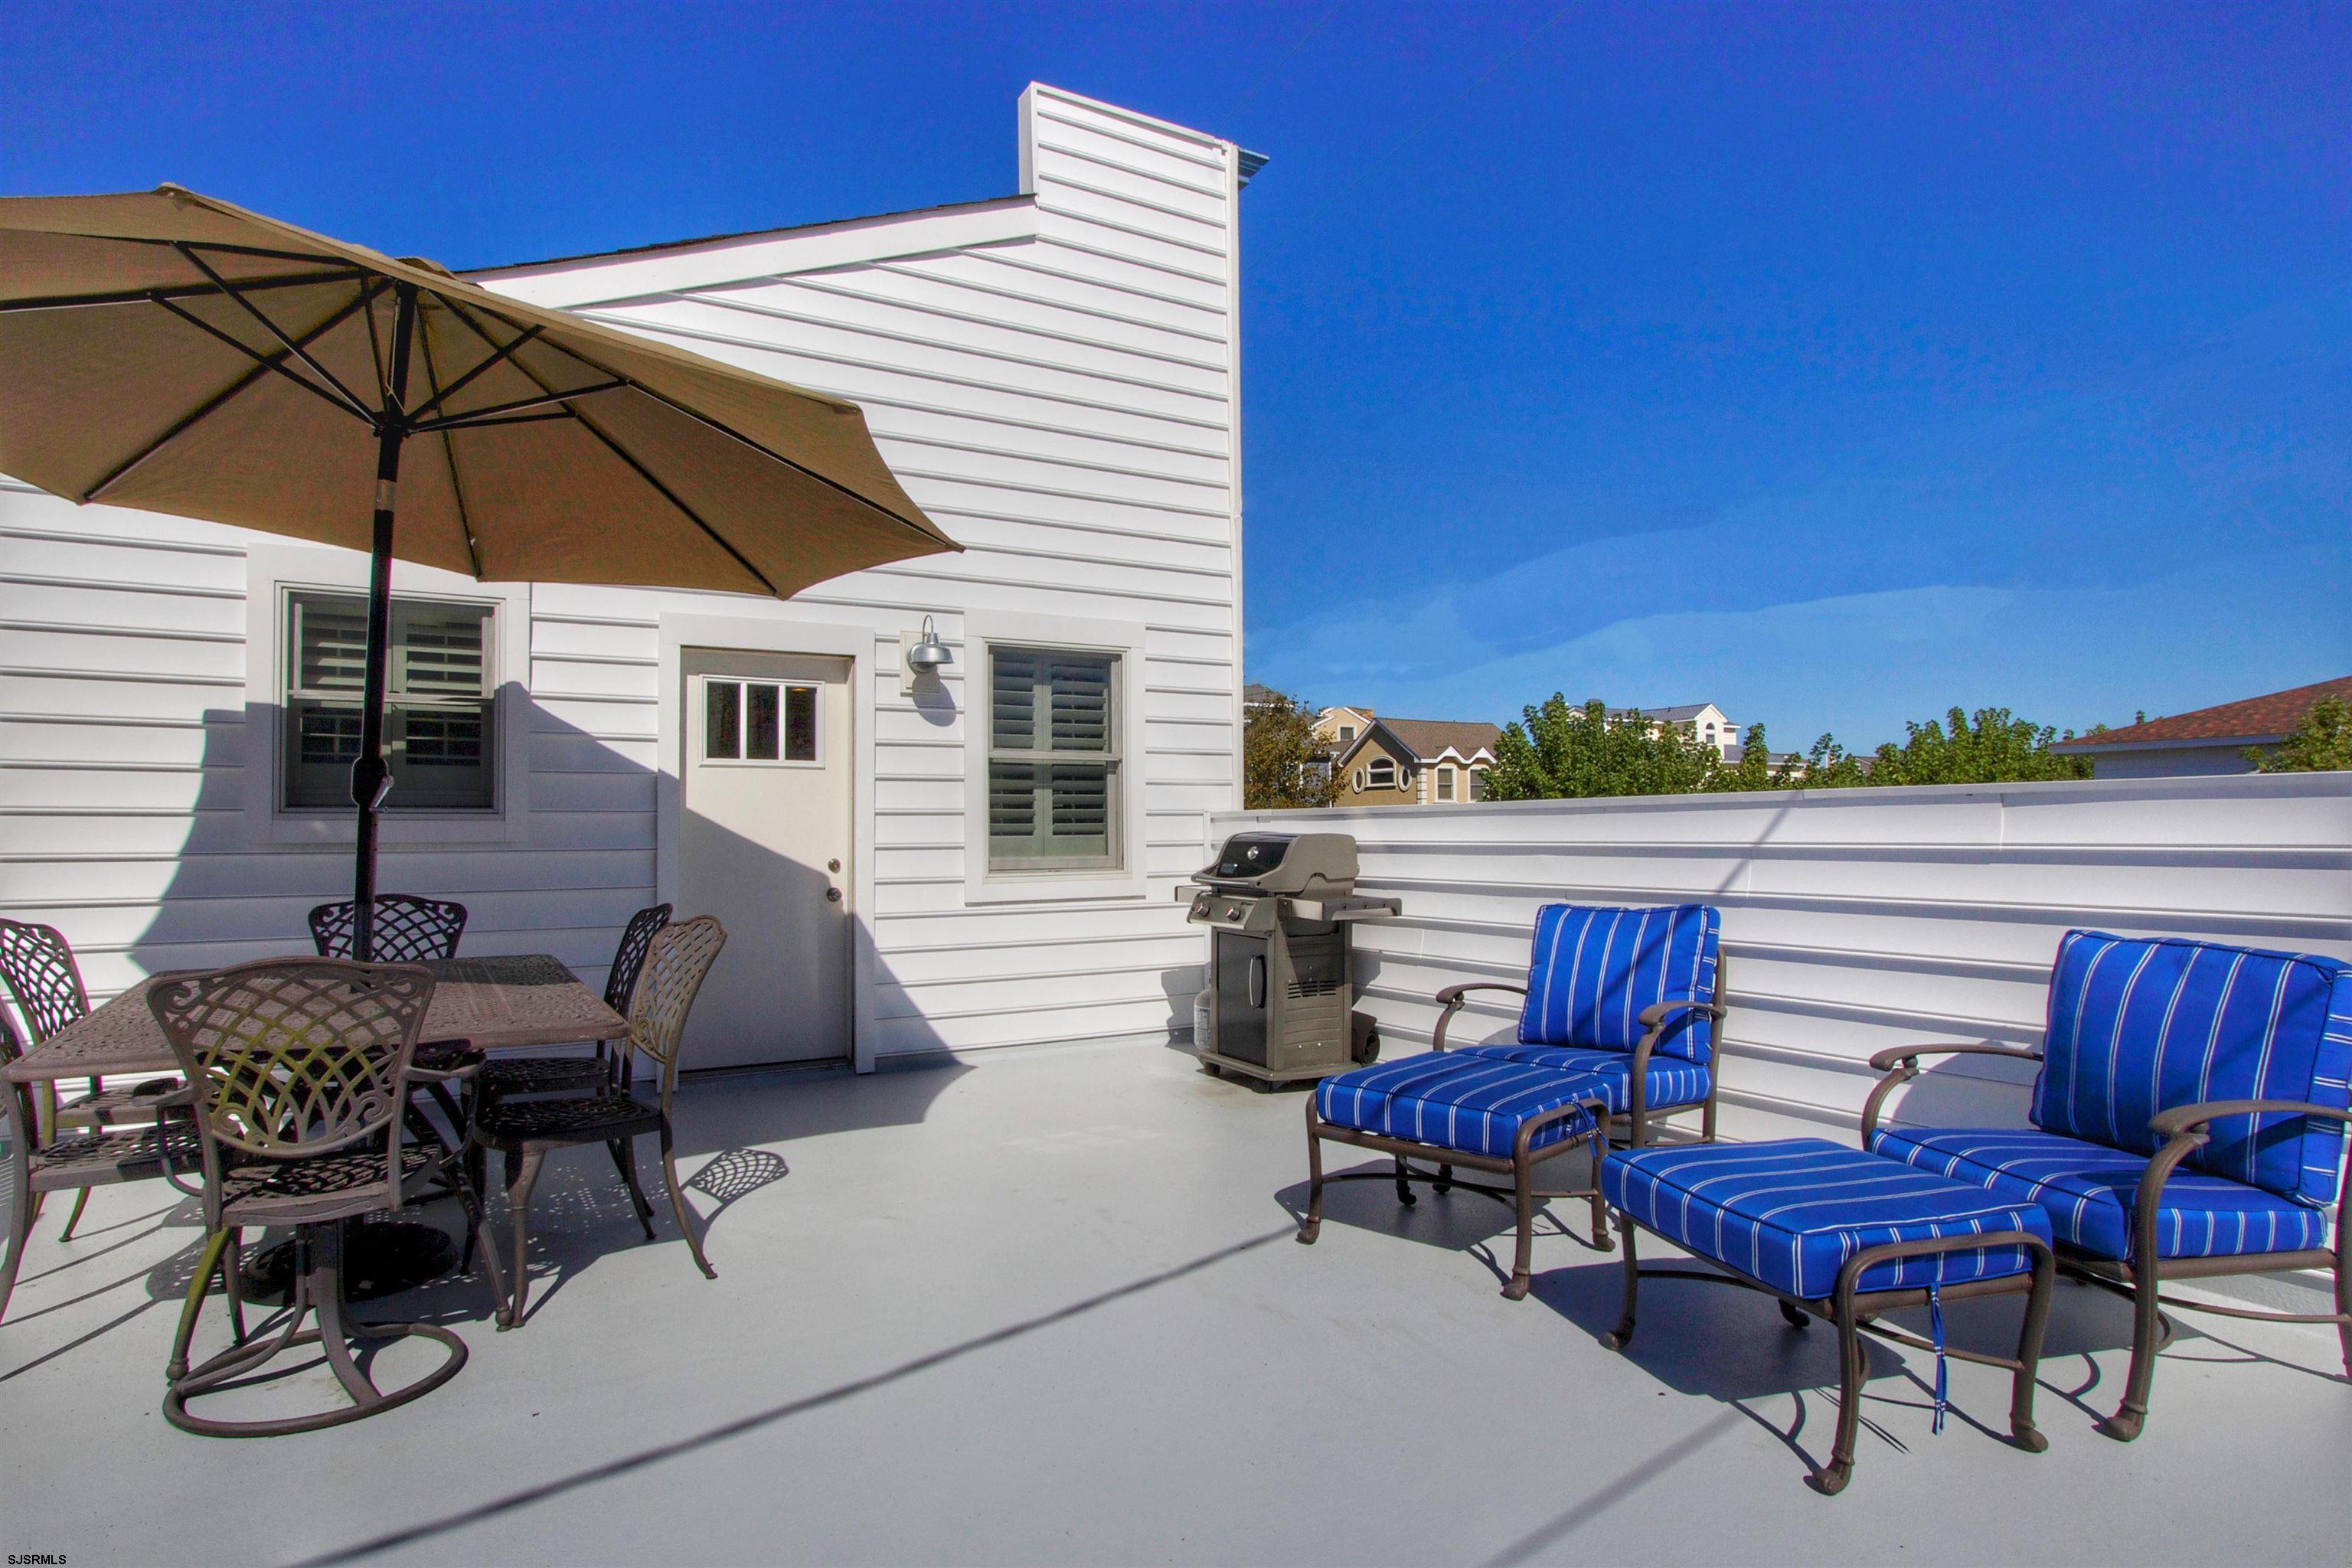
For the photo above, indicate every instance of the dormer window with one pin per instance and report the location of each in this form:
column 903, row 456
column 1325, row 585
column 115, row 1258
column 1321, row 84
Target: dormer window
column 1381, row 773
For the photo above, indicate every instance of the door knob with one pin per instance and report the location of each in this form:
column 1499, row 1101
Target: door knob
column 833, row 895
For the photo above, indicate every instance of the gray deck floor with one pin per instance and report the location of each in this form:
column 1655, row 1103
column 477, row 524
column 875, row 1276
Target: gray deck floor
column 1048, row 1310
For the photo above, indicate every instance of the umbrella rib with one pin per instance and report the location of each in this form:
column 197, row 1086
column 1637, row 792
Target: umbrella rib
column 704, row 419
column 176, row 291
column 250, row 309
column 455, row 388
column 619, row 451
column 202, row 410
column 472, row 415
column 449, row 449
column 276, row 364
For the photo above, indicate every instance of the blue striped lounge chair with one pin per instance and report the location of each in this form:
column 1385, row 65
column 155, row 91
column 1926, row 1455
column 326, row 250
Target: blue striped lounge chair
column 1617, row 1025
column 2188, row 1122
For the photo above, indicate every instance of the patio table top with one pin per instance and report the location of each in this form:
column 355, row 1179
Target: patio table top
column 499, row 1004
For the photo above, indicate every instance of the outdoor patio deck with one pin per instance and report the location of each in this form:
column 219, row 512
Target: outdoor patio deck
column 1047, row 1308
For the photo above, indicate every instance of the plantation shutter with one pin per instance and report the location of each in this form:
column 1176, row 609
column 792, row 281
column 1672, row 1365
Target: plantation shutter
column 439, row 719
column 1053, row 760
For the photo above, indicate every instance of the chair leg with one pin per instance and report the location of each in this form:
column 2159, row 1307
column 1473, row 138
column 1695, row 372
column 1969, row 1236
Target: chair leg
column 519, row 1217
column 81, row 1201
column 19, row 1230
column 325, row 1290
column 1523, row 1196
column 2147, row 1329
column 1312, row 1226
column 625, row 1160
column 1403, row 1186
column 1444, row 1182
column 177, row 1368
column 232, row 1274
column 477, row 1236
column 678, row 1202
column 1852, row 1368
column 1618, row 1338
column 2022, row 1429
column 1795, row 1319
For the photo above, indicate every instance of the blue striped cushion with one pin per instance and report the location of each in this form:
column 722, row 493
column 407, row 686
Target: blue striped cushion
column 1671, row 1081
column 1790, row 1214
column 1592, row 972
column 2138, row 1026
column 2087, row 1191
column 1453, row 1102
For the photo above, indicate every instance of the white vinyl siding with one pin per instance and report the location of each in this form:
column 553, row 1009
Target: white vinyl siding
column 1052, row 377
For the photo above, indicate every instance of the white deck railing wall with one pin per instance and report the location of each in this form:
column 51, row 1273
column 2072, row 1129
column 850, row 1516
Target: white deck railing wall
column 1852, row 920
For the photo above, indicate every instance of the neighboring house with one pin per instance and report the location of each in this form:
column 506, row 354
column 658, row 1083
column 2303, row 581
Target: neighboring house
column 1254, row 697
column 902, row 864
column 1706, row 724
column 1338, row 727
column 1415, row 762
column 2209, row 740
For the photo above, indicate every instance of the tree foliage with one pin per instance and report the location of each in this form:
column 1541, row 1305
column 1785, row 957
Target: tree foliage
column 2323, row 742
column 1283, row 763
column 1559, row 752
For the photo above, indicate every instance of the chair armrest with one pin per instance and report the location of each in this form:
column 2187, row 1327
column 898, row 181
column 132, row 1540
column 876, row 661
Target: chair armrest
column 1451, row 999
column 1901, row 1065
column 467, row 1060
column 2182, row 1119
column 1657, row 1013
column 1905, row 1055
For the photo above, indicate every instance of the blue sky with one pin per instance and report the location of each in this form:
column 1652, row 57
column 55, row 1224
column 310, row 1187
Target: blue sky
column 1835, row 363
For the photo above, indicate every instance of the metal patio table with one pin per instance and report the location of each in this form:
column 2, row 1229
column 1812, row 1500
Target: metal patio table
column 499, row 1004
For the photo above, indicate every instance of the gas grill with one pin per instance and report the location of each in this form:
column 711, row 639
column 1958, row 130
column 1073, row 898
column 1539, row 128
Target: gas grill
column 1279, row 1007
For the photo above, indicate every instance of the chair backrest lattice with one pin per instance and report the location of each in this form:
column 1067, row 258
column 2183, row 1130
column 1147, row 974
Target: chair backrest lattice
column 295, row 1056
column 675, row 961
column 37, row 965
column 408, row 929
column 629, row 958
column 1592, row 970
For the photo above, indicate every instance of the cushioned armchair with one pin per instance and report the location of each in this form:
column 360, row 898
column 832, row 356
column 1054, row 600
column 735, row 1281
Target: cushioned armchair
column 1617, row 1024
column 2188, row 1122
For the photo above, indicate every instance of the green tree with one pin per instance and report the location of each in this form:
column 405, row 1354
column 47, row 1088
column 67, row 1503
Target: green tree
column 1989, row 746
column 1560, row 753
column 2323, row 742
column 1827, row 766
column 1283, row 763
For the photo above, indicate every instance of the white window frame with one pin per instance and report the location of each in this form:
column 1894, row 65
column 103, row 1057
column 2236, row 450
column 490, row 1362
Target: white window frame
column 1124, row 640
column 702, row 684
column 1372, row 774
column 276, row 569
column 1443, row 791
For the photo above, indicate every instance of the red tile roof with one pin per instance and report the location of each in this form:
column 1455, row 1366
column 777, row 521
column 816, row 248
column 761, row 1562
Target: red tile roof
column 2254, row 719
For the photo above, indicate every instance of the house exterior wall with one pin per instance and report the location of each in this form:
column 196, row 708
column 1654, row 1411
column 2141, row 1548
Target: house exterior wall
column 1405, row 792
column 1054, row 378
column 1853, row 919
column 2189, row 759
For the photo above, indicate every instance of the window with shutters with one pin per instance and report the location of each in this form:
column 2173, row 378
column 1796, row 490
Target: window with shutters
column 440, row 716
column 1053, row 760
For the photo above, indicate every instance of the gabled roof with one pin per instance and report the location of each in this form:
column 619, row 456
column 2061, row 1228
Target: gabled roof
column 2249, row 721
column 1682, row 713
column 1427, row 740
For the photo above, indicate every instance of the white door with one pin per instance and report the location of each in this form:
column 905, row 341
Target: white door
column 763, row 842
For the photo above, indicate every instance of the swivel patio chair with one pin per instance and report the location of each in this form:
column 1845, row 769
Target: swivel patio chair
column 299, row 1069
column 1618, row 1025
column 37, row 965
column 527, row 1130
column 519, row 1075
column 2189, row 1121
column 408, row 929
column 55, row 1161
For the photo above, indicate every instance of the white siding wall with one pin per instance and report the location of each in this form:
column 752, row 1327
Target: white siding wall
column 1855, row 919
column 1053, row 377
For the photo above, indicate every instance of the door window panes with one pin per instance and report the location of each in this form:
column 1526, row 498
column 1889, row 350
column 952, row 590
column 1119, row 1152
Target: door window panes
column 758, row 722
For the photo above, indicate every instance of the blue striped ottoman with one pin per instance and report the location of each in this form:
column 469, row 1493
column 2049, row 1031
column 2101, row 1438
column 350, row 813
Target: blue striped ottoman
column 1844, row 1236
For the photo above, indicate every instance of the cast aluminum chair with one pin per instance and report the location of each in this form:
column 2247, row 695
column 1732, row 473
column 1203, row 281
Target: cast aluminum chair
column 2188, row 1122
column 1618, row 1025
column 408, row 929
column 527, row 1130
column 516, row 1075
column 38, row 967
column 299, row 1072
column 77, row 1160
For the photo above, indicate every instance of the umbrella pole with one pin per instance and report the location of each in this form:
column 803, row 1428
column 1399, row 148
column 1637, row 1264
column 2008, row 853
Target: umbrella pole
column 371, row 773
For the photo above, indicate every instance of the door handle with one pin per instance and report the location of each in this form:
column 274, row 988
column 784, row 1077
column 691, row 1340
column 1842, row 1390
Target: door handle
column 1257, row 982
column 833, row 895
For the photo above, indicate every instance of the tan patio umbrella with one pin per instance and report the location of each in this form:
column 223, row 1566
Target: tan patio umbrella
column 167, row 351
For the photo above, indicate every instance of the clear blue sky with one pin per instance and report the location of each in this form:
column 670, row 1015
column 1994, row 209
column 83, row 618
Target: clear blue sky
column 1834, row 363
